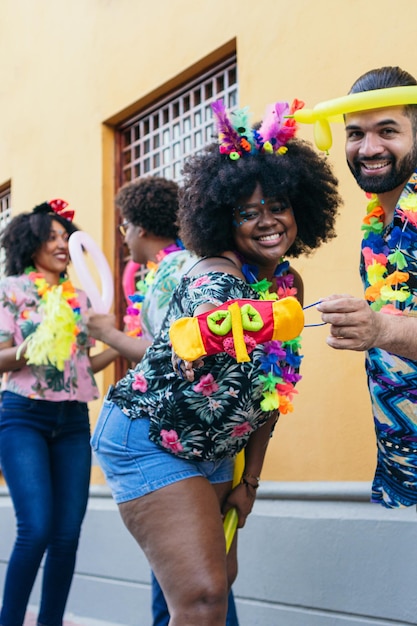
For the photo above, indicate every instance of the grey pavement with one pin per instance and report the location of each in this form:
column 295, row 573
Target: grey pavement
column 69, row 619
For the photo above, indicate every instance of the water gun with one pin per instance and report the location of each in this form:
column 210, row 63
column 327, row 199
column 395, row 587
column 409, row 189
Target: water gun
column 236, row 327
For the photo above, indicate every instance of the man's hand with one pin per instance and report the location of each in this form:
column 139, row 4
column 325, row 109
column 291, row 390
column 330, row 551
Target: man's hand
column 353, row 324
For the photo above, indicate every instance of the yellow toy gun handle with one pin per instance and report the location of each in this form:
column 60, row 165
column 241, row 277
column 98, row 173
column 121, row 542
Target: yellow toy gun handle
column 231, row 519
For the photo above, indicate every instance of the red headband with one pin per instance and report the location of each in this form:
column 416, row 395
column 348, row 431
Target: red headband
column 58, row 206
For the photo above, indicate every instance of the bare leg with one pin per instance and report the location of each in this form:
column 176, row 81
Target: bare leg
column 222, row 490
column 180, row 530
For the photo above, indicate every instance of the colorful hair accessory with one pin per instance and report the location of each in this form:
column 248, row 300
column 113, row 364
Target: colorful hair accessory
column 238, row 139
column 334, row 110
column 59, row 207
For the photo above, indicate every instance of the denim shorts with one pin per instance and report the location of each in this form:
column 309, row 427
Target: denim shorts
column 135, row 466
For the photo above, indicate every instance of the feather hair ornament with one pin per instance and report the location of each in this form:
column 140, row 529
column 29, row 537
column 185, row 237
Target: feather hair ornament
column 271, row 131
column 229, row 138
column 237, row 138
column 241, row 121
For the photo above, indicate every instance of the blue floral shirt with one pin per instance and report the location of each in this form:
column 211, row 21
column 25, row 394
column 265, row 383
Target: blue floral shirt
column 392, row 382
column 157, row 298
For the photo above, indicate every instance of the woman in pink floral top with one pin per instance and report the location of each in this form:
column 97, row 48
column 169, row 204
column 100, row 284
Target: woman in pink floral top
column 48, row 378
column 19, row 316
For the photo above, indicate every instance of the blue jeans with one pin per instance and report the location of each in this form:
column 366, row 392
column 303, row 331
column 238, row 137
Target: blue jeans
column 160, row 613
column 45, row 457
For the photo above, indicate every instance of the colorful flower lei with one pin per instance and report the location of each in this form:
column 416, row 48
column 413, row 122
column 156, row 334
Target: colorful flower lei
column 54, row 339
column 281, row 360
column 132, row 317
column 386, row 289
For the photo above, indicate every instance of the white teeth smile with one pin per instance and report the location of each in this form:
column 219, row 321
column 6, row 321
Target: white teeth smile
column 270, row 237
column 375, row 166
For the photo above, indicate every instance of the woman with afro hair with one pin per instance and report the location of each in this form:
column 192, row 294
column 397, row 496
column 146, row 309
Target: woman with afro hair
column 170, row 430
column 48, row 380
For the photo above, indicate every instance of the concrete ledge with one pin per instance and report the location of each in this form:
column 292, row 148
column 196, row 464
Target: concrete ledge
column 320, row 491
column 311, row 554
column 270, row 490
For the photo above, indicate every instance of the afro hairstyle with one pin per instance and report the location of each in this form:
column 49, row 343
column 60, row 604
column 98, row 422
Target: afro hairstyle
column 150, row 202
column 214, row 185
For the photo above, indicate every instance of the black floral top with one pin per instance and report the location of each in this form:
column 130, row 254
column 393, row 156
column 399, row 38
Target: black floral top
column 213, row 416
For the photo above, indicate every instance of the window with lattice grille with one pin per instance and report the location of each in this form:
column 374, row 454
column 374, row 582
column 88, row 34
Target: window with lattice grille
column 157, row 140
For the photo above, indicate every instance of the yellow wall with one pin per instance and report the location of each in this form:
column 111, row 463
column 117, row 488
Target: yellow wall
column 69, row 69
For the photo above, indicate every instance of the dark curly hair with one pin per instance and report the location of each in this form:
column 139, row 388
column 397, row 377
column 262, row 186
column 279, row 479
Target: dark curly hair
column 25, row 235
column 214, row 185
column 150, row 202
column 384, row 77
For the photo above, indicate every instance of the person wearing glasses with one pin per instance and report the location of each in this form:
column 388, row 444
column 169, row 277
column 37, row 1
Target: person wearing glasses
column 170, row 429
column 148, row 208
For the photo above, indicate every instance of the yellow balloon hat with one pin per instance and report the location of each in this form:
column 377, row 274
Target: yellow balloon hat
column 333, row 110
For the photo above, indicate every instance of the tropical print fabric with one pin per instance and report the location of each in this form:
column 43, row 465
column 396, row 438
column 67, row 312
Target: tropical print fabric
column 158, row 295
column 212, row 417
column 392, row 379
column 19, row 317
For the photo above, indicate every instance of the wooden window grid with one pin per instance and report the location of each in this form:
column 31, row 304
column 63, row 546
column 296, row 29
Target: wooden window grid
column 158, row 140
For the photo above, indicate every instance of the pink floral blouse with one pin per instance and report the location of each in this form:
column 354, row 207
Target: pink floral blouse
column 19, row 317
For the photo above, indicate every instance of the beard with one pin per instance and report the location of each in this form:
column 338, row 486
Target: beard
column 399, row 174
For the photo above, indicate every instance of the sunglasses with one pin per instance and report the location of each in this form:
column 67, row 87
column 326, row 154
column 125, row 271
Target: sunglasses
column 123, row 227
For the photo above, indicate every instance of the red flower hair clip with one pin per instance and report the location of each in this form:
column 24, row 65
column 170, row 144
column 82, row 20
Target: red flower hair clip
column 59, row 207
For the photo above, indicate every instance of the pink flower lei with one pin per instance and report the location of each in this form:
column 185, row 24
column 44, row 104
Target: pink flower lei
column 132, row 317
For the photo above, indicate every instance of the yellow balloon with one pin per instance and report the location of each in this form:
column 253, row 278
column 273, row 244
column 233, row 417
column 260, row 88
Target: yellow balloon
column 334, row 110
column 365, row 100
column 323, row 135
column 305, row 116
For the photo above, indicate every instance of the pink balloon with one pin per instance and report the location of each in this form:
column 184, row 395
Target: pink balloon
column 128, row 279
column 78, row 243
